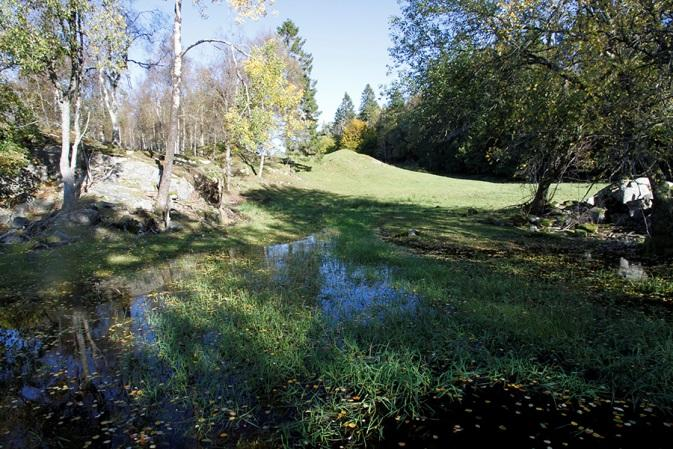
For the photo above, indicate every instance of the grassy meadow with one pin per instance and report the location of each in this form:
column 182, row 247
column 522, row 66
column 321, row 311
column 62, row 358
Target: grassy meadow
column 257, row 363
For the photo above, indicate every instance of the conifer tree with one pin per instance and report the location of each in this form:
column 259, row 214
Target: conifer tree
column 369, row 108
column 344, row 114
column 289, row 35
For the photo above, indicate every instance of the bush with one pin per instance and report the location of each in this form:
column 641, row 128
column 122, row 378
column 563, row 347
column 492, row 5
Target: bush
column 325, row 144
column 13, row 158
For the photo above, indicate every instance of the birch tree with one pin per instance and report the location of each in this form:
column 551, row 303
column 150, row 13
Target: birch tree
column 49, row 37
column 110, row 47
column 268, row 106
column 246, row 9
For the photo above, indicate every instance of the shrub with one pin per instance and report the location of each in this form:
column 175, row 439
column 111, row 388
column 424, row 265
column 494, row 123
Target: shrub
column 325, row 144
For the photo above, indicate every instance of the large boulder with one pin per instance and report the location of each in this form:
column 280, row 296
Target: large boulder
column 81, row 217
column 84, row 217
column 628, row 196
column 631, row 271
column 58, row 238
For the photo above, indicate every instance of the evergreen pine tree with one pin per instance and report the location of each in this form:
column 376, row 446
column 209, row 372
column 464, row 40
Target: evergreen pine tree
column 369, row 108
column 344, row 114
column 289, row 35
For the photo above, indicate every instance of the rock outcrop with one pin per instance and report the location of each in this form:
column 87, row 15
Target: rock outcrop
column 118, row 192
column 132, row 181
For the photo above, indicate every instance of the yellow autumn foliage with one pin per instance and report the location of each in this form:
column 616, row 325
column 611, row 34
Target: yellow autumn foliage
column 354, row 134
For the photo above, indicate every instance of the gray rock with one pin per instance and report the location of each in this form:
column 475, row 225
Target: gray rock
column 129, row 224
column 84, row 217
column 20, row 222
column 58, row 238
column 413, row 233
column 591, row 228
column 175, row 226
column 634, row 193
column 580, row 233
column 597, row 214
column 12, row 238
column 631, row 271
column 132, row 182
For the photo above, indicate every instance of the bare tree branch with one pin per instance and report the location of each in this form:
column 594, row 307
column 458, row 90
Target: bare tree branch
column 216, row 41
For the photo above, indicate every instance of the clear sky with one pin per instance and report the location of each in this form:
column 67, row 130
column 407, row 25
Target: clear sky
column 349, row 39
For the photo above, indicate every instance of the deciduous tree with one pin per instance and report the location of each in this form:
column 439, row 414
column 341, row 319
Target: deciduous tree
column 245, row 9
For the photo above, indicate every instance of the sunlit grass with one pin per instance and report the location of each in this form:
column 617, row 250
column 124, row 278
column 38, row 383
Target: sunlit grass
column 499, row 305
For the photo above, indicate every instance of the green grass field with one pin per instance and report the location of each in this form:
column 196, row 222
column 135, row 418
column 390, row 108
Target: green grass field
column 351, row 174
column 497, row 305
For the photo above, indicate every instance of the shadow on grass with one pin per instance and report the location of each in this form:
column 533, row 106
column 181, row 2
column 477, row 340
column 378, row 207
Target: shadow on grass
column 240, row 342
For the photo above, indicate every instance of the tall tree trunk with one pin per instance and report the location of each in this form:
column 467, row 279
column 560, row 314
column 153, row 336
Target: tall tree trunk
column 163, row 198
column 112, row 106
column 261, row 163
column 227, row 168
column 65, row 166
column 539, row 202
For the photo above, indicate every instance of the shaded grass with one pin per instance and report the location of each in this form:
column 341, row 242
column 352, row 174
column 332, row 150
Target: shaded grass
column 494, row 319
column 499, row 305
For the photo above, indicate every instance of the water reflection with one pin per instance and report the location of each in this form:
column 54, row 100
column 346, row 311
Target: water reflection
column 61, row 364
column 346, row 293
column 64, row 378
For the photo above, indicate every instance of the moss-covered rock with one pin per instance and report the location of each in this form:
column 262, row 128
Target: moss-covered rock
column 590, row 228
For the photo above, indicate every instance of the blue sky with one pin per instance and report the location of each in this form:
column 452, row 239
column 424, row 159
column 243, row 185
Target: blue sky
column 349, row 39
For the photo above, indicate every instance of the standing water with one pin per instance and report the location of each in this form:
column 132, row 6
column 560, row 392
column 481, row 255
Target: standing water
column 66, row 367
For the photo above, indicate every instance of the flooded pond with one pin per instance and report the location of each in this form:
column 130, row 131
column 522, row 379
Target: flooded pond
column 346, row 293
column 66, row 367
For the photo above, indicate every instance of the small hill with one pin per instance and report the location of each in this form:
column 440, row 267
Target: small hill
column 349, row 173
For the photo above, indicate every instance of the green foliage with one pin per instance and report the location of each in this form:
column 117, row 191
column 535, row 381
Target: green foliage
column 16, row 128
column 344, row 114
column 267, row 105
column 12, row 158
column 31, row 33
column 289, row 35
column 369, row 107
column 534, row 89
column 354, row 134
column 325, row 144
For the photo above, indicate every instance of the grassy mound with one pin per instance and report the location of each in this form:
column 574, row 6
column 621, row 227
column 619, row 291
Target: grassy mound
column 349, row 173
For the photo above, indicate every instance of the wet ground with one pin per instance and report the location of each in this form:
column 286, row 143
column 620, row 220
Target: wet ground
column 64, row 371
column 63, row 364
column 507, row 415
